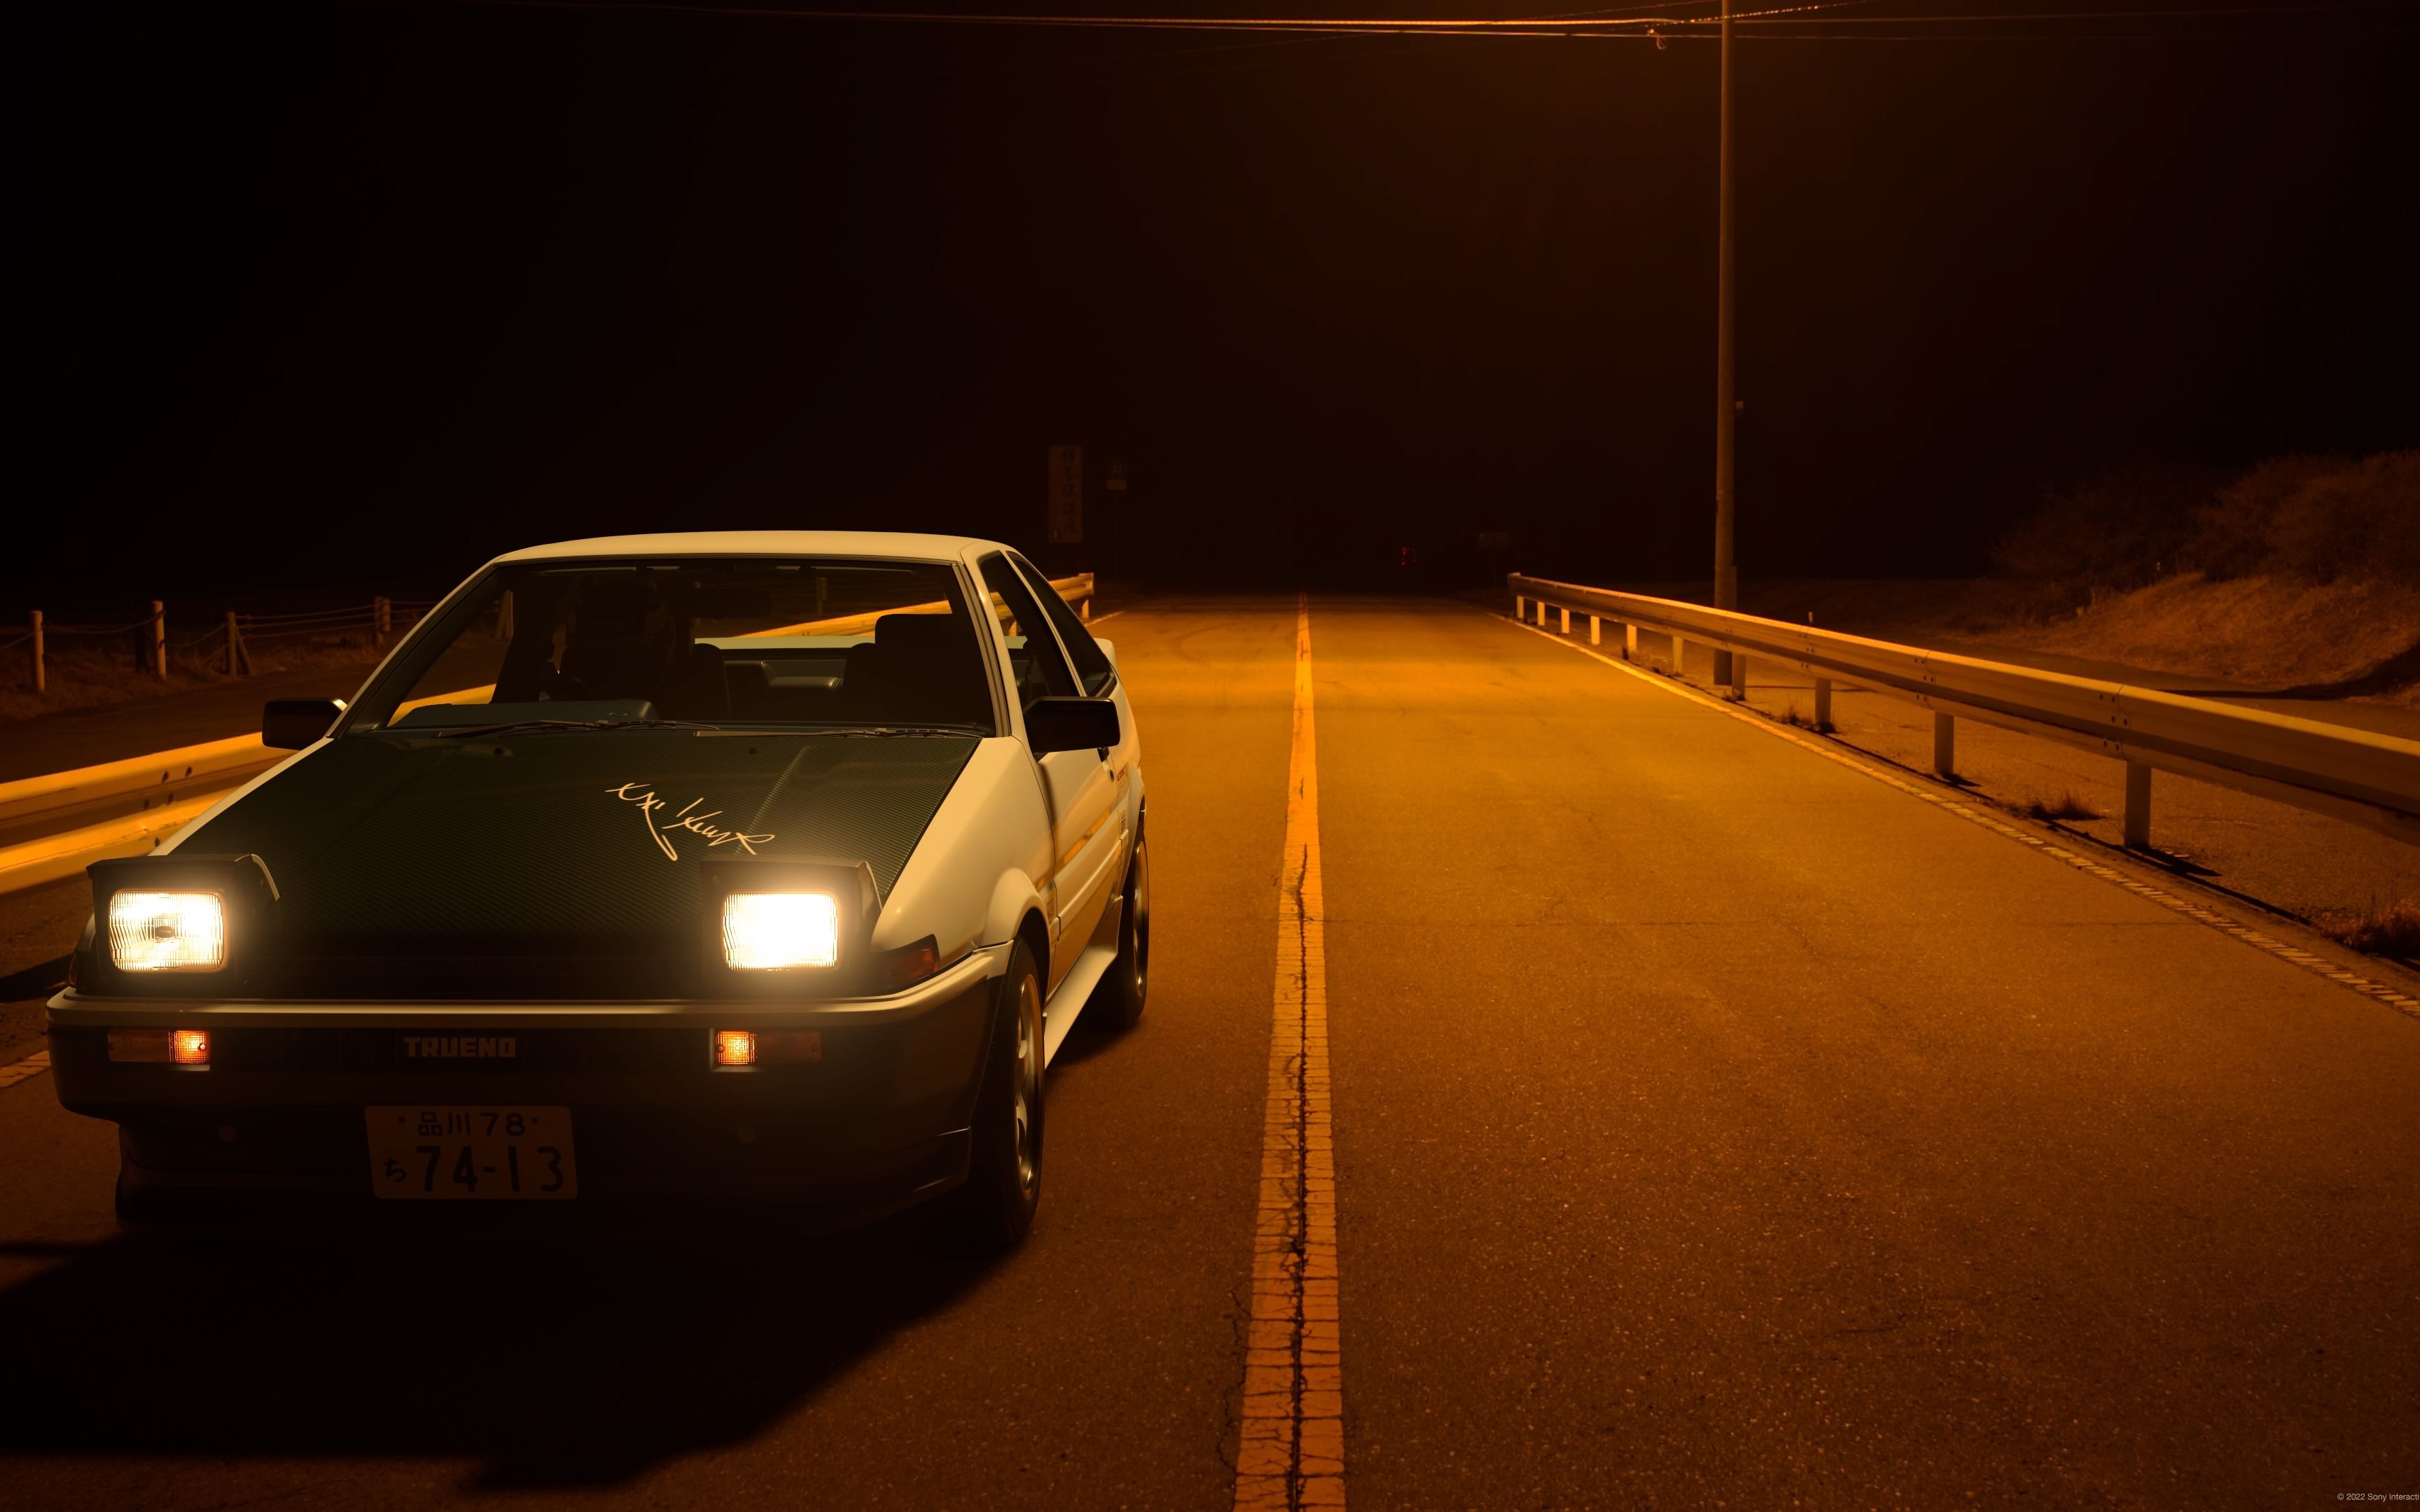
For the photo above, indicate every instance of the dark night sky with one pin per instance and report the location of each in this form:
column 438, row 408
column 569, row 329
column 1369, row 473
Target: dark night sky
column 354, row 296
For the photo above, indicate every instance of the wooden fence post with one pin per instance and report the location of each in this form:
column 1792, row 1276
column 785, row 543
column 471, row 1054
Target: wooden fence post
column 237, row 655
column 382, row 616
column 42, row 679
column 158, row 640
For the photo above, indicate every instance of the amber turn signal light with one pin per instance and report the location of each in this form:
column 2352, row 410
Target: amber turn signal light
column 141, row 1045
column 768, row 1047
column 184, row 1047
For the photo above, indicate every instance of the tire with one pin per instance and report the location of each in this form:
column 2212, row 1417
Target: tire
column 1119, row 998
column 995, row 1207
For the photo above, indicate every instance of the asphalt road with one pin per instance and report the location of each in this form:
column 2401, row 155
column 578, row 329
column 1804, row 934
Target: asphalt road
column 1714, row 1125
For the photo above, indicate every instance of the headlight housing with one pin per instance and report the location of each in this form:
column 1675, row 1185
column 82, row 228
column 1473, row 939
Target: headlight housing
column 781, row 931
column 777, row 929
column 178, row 925
column 167, row 931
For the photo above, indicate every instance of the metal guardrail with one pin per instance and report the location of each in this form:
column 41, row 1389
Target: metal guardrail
column 2369, row 778
column 59, row 823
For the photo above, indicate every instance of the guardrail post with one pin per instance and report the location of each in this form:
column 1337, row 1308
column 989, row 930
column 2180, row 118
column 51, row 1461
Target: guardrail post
column 1520, row 606
column 1630, row 642
column 1823, row 705
column 1596, row 631
column 158, row 640
column 1542, row 613
column 1945, row 745
column 42, row 679
column 2139, row 807
column 1679, row 654
column 1567, row 622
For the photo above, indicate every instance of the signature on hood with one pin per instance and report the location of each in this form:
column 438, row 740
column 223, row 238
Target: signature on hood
column 660, row 828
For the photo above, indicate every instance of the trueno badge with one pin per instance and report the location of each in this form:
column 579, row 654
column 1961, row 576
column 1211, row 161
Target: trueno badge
column 459, row 1047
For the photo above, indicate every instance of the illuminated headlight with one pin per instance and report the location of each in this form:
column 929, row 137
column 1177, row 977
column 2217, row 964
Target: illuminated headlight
column 779, row 931
column 167, row 931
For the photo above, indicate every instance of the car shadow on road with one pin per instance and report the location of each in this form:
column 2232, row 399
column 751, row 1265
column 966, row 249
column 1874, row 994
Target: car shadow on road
column 559, row 1357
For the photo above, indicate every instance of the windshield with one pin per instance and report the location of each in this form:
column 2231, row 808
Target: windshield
column 753, row 643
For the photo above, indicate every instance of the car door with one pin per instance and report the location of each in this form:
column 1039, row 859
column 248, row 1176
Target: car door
column 1076, row 784
column 1096, row 676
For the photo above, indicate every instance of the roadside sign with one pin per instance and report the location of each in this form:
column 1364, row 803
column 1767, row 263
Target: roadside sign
column 1066, row 493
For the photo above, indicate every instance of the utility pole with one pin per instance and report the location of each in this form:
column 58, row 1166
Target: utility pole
column 1725, row 401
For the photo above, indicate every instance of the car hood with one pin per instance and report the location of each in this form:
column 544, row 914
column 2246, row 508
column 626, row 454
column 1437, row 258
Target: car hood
column 580, row 845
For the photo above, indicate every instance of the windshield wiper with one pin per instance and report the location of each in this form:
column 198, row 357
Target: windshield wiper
column 517, row 727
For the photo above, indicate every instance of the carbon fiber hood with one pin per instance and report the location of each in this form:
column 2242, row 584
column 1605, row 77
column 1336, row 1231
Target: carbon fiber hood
column 391, row 849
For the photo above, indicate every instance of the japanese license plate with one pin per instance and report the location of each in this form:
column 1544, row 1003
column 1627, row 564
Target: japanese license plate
column 472, row 1154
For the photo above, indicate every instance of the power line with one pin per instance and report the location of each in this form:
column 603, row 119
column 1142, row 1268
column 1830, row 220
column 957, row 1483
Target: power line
column 1994, row 17
column 1615, row 24
column 1556, row 23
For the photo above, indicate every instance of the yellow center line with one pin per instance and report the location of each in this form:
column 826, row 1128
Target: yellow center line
column 1291, row 1453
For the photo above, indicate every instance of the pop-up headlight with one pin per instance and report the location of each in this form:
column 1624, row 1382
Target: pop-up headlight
column 162, row 923
column 779, row 931
column 167, row 931
column 775, row 928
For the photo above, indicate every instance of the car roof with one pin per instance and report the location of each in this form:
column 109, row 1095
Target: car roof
column 894, row 545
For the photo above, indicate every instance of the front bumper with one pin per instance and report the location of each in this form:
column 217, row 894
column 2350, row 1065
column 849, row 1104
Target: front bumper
column 880, row 1118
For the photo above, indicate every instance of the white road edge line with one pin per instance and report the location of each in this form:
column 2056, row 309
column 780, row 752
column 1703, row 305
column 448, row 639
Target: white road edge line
column 26, row 1070
column 1292, row 1450
column 2267, row 944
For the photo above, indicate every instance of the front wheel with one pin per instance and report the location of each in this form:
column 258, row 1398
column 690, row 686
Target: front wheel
column 995, row 1207
column 1119, row 998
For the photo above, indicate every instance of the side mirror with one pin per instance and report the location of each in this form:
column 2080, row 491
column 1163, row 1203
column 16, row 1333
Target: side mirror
column 290, row 724
column 1070, row 724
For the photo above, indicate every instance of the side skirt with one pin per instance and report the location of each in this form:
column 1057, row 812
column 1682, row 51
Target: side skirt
column 1076, row 990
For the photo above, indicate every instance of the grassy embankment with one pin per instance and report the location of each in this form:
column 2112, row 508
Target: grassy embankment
column 2300, row 575
column 85, row 674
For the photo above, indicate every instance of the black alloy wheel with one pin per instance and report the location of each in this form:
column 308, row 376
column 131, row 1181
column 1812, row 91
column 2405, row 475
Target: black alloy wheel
column 1119, row 998
column 995, row 1207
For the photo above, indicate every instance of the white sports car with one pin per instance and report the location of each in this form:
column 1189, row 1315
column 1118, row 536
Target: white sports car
column 763, row 864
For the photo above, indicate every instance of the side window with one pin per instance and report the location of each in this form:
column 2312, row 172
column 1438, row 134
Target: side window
column 1093, row 666
column 1034, row 656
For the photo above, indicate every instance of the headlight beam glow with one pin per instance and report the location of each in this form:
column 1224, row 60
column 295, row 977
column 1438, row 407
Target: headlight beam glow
column 779, row 931
column 167, row 931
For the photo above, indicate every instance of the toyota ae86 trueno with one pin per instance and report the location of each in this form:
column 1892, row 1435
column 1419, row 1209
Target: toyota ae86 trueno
column 767, row 865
